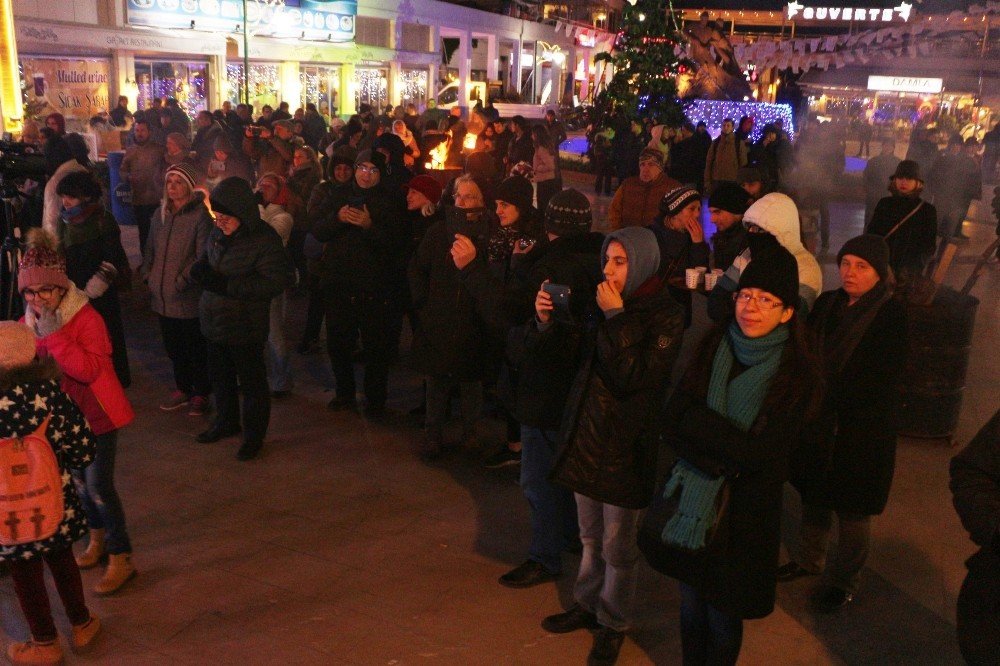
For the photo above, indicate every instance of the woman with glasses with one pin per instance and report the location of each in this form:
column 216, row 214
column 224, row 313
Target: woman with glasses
column 735, row 417
column 861, row 334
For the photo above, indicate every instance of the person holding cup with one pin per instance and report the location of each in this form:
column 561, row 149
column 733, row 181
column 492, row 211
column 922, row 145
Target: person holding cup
column 681, row 240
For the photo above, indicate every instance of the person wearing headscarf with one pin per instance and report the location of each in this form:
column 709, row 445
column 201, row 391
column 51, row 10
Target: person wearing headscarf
column 608, row 450
column 847, row 467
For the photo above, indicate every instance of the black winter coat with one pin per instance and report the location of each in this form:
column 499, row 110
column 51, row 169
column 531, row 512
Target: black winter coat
column 975, row 486
column 853, row 443
column 452, row 339
column 737, row 574
column 257, row 268
column 608, row 446
column 361, row 259
column 913, row 244
column 546, row 363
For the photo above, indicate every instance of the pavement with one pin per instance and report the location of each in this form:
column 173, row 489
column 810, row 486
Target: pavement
column 338, row 546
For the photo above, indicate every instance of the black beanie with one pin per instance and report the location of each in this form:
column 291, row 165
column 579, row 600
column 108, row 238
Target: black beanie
column 568, row 213
column 872, row 249
column 775, row 272
column 233, row 196
column 730, row 197
column 516, row 191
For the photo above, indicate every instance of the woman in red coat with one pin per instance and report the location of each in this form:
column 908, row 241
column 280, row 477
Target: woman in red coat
column 71, row 332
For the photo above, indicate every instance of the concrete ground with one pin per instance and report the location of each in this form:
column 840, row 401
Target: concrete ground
column 338, row 546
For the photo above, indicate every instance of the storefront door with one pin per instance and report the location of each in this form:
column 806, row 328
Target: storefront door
column 264, row 83
column 321, row 86
column 187, row 82
column 413, row 86
column 371, row 86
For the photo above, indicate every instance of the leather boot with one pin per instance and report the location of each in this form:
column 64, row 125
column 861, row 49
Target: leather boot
column 91, row 557
column 84, row 634
column 120, row 571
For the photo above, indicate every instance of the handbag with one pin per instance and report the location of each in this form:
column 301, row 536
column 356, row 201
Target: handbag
column 661, row 555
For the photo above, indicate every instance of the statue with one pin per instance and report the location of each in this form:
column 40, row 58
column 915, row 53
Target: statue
column 717, row 75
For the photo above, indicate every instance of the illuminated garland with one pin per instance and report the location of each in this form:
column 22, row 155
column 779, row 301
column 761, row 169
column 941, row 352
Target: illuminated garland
column 712, row 113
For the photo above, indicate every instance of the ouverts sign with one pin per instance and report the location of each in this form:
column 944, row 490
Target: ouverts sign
column 884, row 15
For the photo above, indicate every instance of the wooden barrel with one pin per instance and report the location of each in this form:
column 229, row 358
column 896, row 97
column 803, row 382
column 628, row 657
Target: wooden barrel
column 937, row 358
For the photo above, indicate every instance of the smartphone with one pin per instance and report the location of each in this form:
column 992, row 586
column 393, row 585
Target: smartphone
column 356, row 202
column 469, row 222
column 560, row 294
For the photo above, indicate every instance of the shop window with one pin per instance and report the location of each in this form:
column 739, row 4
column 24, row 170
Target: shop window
column 413, row 87
column 76, row 88
column 371, row 31
column 187, row 82
column 371, row 86
column 321, row 86
column 263, row 84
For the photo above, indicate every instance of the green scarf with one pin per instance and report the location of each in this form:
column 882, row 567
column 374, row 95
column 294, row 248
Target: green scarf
column 740, row 400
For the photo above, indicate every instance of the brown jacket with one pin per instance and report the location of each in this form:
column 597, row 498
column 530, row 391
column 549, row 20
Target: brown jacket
column 637, row 204
column 271, row 155
column 142, row 167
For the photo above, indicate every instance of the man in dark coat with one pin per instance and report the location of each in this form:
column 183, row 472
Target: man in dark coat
column 953, row 182
column 521, row 148
column 850, row 458
column 727, row 205
column 877, row 173
column 243, row 268
column 975, row 487
column 364, row 233
column 209, row 130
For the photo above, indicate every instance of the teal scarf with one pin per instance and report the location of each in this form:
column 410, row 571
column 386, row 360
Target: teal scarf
column 740, row 400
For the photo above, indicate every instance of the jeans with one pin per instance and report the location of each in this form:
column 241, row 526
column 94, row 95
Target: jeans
column 29, row 584
column 143, row 216
column 439, row 390
column 605, row 584
column 188, row 353
column 553, row 510
column 279, row 360
column 95, row 484
column 350, row 313
column 314, row 313
column 245, row 364
column 853, row 544
column 709, row 637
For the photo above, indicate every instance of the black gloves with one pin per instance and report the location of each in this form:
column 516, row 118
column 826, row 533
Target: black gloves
column 210, row 279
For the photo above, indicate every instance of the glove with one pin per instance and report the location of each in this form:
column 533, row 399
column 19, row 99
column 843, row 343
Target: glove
column 210, row 279
column 48, row 322
column 100, row 281
column 199, row 269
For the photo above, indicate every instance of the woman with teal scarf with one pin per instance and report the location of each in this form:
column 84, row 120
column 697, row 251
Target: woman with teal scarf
column 736, row 415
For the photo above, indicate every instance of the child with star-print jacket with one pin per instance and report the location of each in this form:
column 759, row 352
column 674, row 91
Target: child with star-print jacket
column 29, row 394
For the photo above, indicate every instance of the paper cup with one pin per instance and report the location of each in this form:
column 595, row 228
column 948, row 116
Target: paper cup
column 701, row 269
column 710, row 280
column 718, row 271
column 691, row 278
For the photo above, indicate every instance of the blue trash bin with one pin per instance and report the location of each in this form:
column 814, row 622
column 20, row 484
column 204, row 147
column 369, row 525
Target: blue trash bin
column 121, row 210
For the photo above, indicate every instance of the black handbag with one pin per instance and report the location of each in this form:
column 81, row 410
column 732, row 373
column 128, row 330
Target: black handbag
column 663, row 556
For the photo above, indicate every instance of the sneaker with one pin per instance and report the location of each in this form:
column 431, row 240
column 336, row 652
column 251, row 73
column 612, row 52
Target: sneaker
column 607, row 645
column 503, row 458
column 529, row 574
column 199, row 406
column 84, row 634
column 35, row 652
column 577, row 617
column 249, row 450
column 177, row 400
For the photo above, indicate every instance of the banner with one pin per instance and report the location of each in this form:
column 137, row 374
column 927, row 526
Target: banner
column 75, row 88
column 315, row 20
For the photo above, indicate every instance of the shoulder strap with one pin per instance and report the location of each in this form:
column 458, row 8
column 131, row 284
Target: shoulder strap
column 908, row 216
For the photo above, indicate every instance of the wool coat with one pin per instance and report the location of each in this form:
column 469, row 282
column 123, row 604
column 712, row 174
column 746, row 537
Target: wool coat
column 849, row 457
column 913, row 244
column 29, row 395
column 737, row 574
column 176, row 241
column 607, row 440
column 142, row 168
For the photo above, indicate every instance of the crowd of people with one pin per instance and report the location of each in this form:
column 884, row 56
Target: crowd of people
column 511, row 296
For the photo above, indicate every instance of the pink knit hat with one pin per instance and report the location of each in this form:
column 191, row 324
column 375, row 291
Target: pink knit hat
column 42, row 262
column 17, row 344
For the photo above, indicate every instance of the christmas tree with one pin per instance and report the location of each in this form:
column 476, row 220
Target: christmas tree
column 645, row 66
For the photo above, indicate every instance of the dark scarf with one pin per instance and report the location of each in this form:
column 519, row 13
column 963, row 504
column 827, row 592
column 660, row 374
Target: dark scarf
column 87, row 225
column 849, row 324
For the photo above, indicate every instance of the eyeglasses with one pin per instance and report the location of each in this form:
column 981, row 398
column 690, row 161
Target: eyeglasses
column 364, row 169
column 43, row 293
column 763, row 301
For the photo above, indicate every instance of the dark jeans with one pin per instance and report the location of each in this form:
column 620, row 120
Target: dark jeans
column 188, row 352
column 350, row 314
column 236, row 368
column 29, row 584
column 605, row 171
column 553, row 510
column 314, row 313
column 95, row 484
column 709, row 637
column 439, row 392
column 143, row 215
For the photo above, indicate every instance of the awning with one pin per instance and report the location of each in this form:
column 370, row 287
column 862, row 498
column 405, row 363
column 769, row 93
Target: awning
column 856, row 78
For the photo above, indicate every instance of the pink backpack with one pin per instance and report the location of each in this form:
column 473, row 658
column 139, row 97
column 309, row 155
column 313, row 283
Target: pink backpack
column 31, row 498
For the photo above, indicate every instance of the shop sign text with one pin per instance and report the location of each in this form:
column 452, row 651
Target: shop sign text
column 917, row 84
column 899, row 13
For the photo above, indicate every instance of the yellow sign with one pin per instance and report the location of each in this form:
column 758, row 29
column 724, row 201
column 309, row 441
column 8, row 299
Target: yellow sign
column 75, row 88
column 10, row 99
